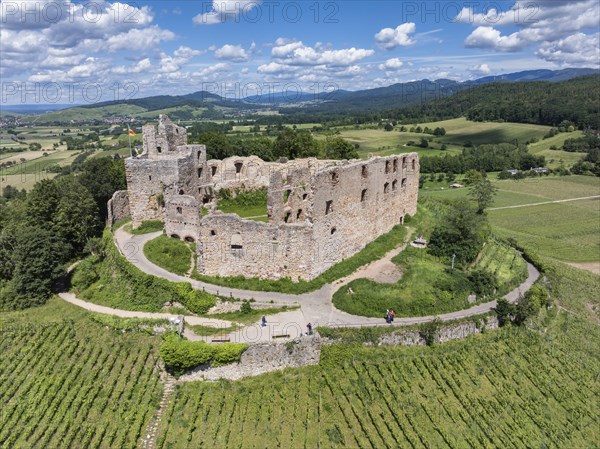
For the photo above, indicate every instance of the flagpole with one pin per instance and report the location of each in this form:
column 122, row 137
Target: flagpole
column 129, row 136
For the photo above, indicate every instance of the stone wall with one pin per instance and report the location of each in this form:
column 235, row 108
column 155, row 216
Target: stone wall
column 118, row 207
column 446, row 333
column 230, row 246
column 263, row 358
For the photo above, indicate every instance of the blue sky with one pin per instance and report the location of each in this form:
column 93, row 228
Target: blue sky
column 67, row 51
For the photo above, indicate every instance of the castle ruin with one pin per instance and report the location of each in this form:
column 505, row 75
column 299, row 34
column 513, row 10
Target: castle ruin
column 320, row 212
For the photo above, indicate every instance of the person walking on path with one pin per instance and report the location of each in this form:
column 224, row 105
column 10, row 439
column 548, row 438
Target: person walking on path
column 309, row 329
column 263, row 321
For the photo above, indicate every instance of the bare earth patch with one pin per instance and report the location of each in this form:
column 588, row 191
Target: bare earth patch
column 384, row 273
column 592, row 267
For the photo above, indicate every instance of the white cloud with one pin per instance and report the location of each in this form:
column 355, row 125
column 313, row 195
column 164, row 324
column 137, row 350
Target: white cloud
column 187, row 52
column 234, row 53
column 296, row 53
column 142, row 66
column 390, row 38
column 577, row 49
column 480, row 69
column 139, row 39
column 391, row 65
column 545, row 22
column 488, row 37
column 224, row 10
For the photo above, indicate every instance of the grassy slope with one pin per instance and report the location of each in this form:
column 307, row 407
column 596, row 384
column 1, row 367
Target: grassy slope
column 427, row 287
column 555, row 158
column 74, row 383
column 567, row 231
column 460, row 131
column 171, row 254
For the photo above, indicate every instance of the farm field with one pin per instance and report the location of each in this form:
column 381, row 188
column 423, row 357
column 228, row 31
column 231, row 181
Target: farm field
column 554, row 158
column 567, row 231
column 461, row 130
column 67, row 381
column 510, row 388
column 383, row 143
column 23, row 181
column 39, row 164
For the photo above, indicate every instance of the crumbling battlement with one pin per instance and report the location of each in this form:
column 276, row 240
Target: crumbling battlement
column 320, row 212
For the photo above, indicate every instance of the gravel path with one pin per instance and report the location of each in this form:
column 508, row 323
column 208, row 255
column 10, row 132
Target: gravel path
column 315, row 307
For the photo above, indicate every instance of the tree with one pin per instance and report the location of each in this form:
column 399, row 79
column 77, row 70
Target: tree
column 76, row 217
column 504, row 310
column 461, row 231
column 338, row 148
column 526, row 308
column 424, row 143
column 472, row 177
column 483, row 192
column 293, row 144
column 388, row 127
column 38, row 260
column 102, row 177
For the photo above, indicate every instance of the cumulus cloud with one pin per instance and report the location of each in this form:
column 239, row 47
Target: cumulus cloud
column 234, row 53
column 549, row 23
column 489, row 37
column 139, row 39
column 480, row 69
column 390, row 38
column 391, row 65
column 577, row 49
column 297, row 54
column 224, row 10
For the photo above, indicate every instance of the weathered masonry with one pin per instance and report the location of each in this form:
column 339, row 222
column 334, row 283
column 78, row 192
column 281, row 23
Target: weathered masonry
column 320, row 212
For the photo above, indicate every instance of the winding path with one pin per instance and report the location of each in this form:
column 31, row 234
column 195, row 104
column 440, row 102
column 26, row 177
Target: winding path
column 315, row 307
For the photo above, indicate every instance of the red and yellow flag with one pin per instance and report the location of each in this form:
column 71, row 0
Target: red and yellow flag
column 131, row 132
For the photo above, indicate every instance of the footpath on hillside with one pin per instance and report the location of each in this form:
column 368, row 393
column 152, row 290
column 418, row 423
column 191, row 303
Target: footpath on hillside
column 314, row 307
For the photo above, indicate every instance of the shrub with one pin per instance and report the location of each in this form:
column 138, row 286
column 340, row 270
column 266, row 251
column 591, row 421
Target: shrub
column 86, row 273
column 181, row 355
column 483, row 282
column 246, row 308
column 184, row 354
column 228, row 353
column 537, row 294
column 504, row 310
column 199, row 302
column 429, row 331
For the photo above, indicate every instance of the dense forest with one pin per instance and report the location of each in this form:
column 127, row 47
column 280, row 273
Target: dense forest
column 576, row 100
column 486, row 158
column 55, row 223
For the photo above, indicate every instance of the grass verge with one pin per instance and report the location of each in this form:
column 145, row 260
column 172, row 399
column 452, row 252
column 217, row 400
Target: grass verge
column 171, row 254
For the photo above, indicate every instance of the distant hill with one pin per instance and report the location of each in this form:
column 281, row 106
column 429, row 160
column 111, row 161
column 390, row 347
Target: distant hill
column 207, row 105
column 576, row 100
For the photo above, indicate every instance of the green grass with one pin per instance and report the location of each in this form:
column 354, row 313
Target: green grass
column 252, row 316
column 503, row 262
column 460, row 131
column 38, row 165
column 111, row 280
column 428, row 286
column 252, row 205
column 67, row 381
column 567, row 231
column 206, row 331
column 554, row 158
column 373, row 251
column 147, row 227
column 171, row 254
